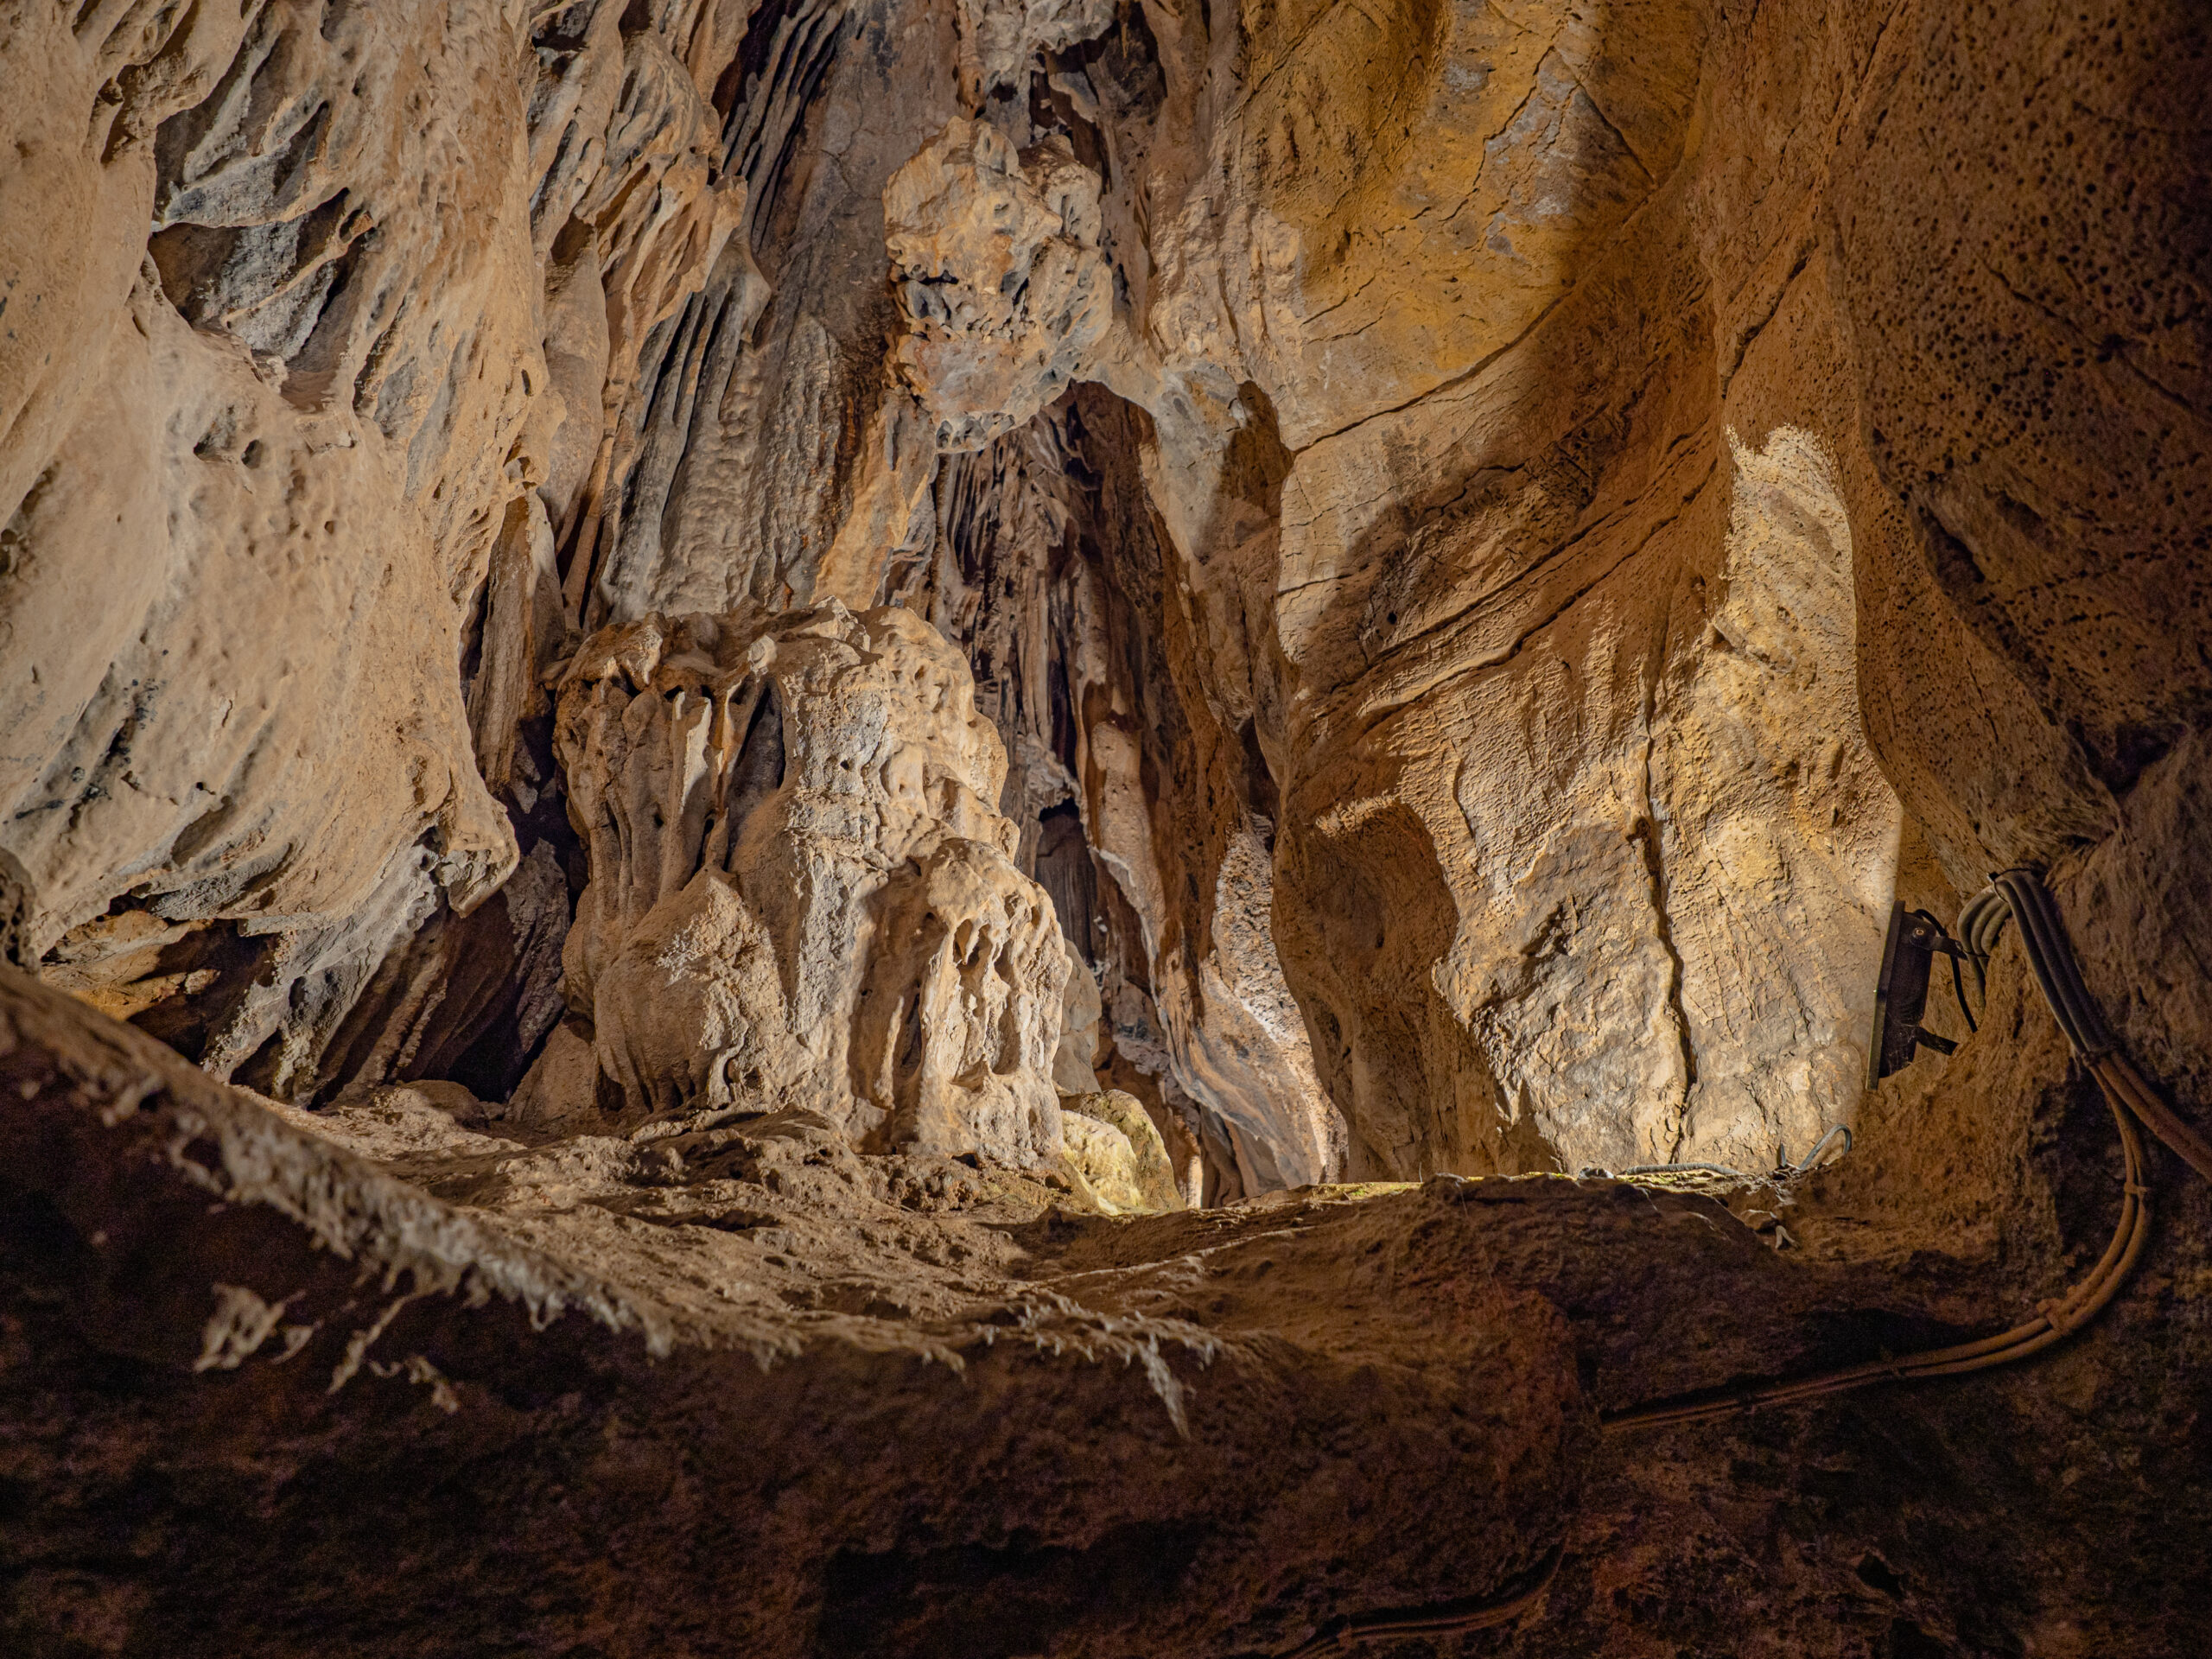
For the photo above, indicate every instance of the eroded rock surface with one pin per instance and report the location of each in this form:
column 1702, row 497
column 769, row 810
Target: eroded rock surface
column 1001, row 277
column 257, row 467
column 1448, row 572
column 800, row 895
column 1501, row 379
column 1054, row 1431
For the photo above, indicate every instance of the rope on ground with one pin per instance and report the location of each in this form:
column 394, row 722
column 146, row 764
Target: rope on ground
column 1810, row 1161
column 2022, row 895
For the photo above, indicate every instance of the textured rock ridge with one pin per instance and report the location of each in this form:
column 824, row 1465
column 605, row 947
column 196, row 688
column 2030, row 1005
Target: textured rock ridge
column 1439, row 322
column 404, row 261
column 1007, row 295
column 1138, row 788
column 1513, row 951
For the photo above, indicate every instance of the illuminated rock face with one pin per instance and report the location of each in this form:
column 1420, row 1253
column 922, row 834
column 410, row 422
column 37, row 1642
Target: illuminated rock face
column 349, row 303
column 1001, row 277
column 1571, row 849
column 1550, row 535
column 800, row 895
column 1443, row 545
column 1430, row 499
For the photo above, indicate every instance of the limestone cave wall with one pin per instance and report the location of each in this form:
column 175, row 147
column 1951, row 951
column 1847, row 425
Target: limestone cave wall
column 753, row 645
column 1508, row 591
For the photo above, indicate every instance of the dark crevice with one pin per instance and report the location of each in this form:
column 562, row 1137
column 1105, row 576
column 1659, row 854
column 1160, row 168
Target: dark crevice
column 758, row 772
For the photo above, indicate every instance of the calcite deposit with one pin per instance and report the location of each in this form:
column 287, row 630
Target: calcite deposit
column 1035, row 827
column 799, row 895
column 1007, row 296
column 301, row 422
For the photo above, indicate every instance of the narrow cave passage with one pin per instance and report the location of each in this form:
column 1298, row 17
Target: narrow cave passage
column 1142, row 817
column 1128, row 830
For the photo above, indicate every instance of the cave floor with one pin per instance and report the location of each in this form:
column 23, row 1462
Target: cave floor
column 377, row 1381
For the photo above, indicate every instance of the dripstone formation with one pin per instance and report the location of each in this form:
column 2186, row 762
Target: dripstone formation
column 994, row 828
column 815, row 910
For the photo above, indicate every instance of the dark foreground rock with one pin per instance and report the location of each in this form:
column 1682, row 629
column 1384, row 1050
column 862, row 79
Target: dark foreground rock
column 261, row 1396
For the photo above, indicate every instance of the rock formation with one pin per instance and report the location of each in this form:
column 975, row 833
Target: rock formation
column 301, row 424
column 800, row 897
column 1015, row 736
column 1006, row 295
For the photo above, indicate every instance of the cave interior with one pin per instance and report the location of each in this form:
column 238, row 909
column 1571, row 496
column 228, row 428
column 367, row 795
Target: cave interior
column 1105, row 828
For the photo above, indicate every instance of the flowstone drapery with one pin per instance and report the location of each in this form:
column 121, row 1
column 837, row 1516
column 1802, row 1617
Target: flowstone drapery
column 801, row 894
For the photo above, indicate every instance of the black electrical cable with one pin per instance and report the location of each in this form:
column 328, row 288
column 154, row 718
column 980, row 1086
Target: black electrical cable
column 2088, row 1024
column 2020, row 895
column 1517, row 1596
column 1981, row 922
column 1812, row 1158
column 1959, row 991
column 1958, row 978
column 2050, row 957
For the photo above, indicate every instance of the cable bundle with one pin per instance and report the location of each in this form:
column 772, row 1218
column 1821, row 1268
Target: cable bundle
column 2019, row 895
column 2051, row 958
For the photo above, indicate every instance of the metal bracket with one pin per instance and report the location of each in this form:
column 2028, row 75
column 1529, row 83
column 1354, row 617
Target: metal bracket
column 1901, row 994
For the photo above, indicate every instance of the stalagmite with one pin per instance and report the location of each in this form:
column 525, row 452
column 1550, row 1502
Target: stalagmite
column 800, row 897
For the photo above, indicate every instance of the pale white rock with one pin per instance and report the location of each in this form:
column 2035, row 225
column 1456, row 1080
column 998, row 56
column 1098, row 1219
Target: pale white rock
column 1778, row 831
column 1118, row 1154
column 1007, row 299
column 801, row 893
